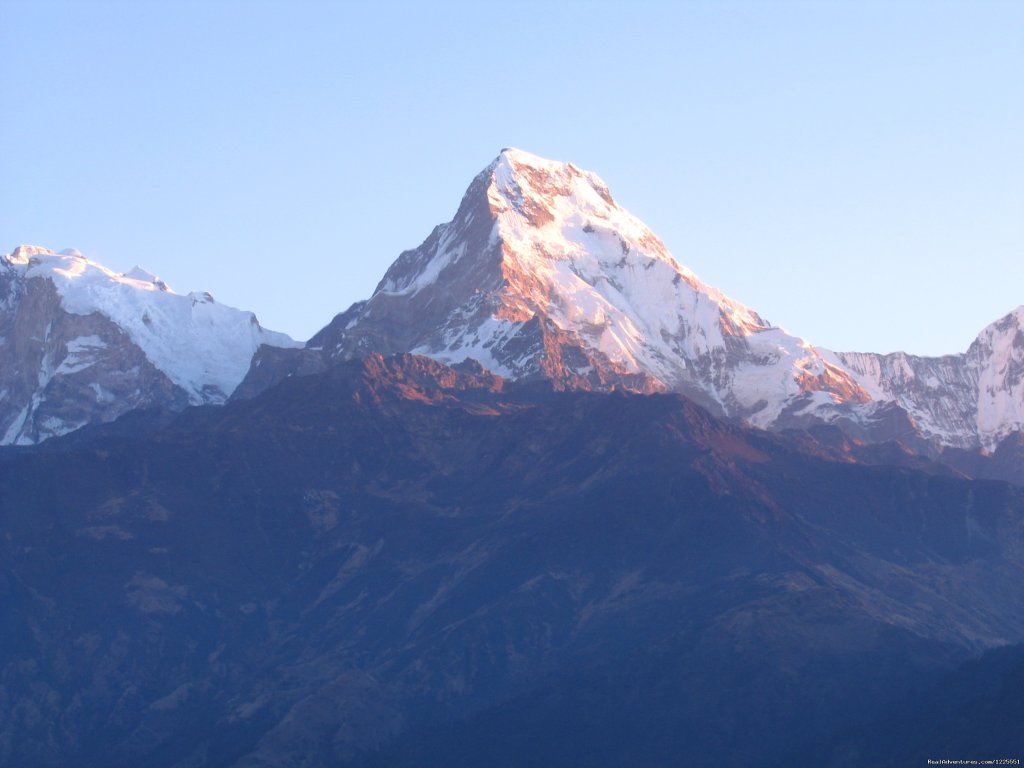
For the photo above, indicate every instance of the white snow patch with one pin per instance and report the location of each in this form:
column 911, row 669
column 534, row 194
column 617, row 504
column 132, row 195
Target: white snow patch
column 102, row 395
column 80, row 354
column 15, row 427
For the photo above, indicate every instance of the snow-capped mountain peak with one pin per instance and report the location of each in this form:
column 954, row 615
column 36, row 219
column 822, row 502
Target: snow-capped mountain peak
column 80, row 343
column 542, row 273
column 144, row 276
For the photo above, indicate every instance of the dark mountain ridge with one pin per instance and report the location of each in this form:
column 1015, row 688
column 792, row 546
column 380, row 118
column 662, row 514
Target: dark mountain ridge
column 403, row 562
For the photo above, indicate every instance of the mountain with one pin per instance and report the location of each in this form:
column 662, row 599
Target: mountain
column 81, row 344
column 395, row 562
column 541, row 274
column 556, row 535
column 965, row 400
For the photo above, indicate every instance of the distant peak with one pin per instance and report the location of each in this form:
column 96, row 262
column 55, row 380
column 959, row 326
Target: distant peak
column 518, row 174
column 520, row 161
column 138, row 273
column 145, row 276
column 515, row 156
column 23, row 253
column 1010, row 327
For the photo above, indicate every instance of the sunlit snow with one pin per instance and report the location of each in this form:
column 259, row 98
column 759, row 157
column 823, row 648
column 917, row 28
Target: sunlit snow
column 203, row 347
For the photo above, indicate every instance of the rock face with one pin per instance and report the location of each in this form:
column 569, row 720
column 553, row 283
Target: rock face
column 541, row 274
column 80, row 344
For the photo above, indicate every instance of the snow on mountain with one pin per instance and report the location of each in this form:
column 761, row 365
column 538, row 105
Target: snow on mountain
column 971, row 399
column 541, row 274
column 998, row 357
column 80, row 343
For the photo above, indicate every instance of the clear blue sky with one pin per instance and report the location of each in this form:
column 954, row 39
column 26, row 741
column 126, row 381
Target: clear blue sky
column 852, row 170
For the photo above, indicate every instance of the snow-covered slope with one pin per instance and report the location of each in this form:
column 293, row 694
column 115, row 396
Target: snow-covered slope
column 80, row 343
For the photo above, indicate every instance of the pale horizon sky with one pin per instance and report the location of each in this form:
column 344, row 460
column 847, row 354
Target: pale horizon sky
column 853, row 171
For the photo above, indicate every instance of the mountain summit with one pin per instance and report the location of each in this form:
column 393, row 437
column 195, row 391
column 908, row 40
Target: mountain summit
column 541, row 273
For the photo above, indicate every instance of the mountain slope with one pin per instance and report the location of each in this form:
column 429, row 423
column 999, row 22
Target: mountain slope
column 541, row 274
column 81, row 344
column 368, row 560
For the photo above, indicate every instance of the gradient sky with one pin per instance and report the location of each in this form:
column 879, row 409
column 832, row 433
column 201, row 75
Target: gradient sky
column 853, row 171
